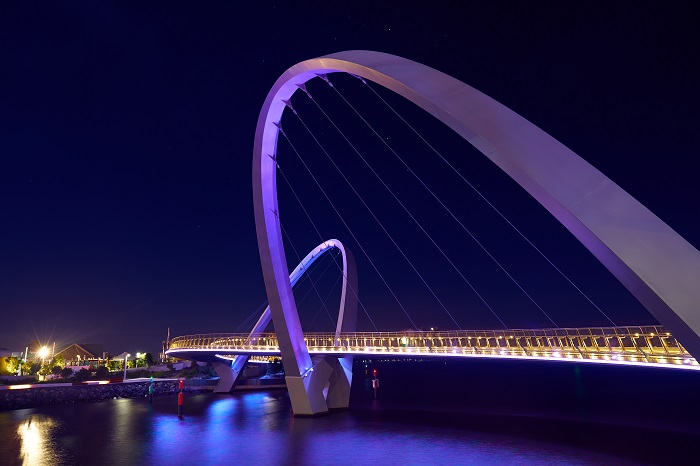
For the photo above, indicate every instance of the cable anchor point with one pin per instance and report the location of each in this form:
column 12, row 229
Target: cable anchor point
column 325, row 78
column 288, row 103
column 302, row 86
column 279, row 127
column 358, row 77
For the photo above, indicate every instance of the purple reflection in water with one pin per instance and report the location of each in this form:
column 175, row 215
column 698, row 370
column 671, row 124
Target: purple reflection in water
column 259, row 428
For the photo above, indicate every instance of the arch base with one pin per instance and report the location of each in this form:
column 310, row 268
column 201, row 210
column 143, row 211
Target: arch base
column 338, row 393
column 306, row 392
column 325, row 388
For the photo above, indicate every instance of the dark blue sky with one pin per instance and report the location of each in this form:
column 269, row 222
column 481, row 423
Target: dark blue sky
column 126, row 136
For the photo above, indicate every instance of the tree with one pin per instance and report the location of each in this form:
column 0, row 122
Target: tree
column 34, row 368
column 82, row 375
column 11, row 365
column 66, row 372
column 145, row 360
column 102, row 373
column 56, row 370
column 58, row 360
column 45, row 369
column 113, row 365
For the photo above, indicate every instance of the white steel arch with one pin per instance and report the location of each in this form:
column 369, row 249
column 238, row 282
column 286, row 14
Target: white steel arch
column 338, row 392
column 659, row 267
column 347, row 313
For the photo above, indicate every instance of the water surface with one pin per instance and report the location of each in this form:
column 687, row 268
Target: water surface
column 426, row 414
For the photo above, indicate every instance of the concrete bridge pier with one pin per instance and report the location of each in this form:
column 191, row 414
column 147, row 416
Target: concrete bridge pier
column 338, row 390
column 307, row 391
column 324, row 388
column 227, row 376
column 228, row 373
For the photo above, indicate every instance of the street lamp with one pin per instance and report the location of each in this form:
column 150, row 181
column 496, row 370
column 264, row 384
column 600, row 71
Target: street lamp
column 43, row 352
column 127, row 355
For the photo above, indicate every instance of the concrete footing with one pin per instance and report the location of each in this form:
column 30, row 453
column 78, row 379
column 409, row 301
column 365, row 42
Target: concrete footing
column 227, row 377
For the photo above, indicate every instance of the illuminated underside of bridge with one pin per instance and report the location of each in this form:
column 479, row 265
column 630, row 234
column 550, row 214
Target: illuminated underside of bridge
column 650, row 346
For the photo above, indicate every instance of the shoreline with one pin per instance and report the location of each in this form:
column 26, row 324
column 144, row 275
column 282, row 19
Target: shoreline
column 37, row 395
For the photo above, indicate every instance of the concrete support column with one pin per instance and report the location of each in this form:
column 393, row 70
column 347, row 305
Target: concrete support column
column 306, row 392
column 227, row 376
column 338, row 393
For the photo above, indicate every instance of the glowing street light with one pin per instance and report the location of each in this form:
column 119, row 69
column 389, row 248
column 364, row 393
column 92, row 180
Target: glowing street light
column 43, row 352
column 126, row 356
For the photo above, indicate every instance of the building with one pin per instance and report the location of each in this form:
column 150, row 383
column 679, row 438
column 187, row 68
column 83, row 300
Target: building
column 75, row 354
column 80, row 354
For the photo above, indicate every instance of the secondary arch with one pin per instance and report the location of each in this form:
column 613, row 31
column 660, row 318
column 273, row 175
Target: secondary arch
column 347, row 312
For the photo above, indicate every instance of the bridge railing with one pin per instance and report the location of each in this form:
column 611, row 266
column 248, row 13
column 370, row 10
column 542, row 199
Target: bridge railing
column 632, row 343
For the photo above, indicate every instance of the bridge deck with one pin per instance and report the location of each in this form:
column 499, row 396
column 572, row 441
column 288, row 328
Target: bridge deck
column 644, row 345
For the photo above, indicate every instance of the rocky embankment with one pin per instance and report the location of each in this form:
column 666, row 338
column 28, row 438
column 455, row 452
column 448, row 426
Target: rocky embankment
column 30, row 398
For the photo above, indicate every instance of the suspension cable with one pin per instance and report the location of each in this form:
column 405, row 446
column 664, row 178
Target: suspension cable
column 245, row 324
column 485, row 199
column 348, row 228
column 379, row 223
column 407, row 212
column 447, row 209
column 313, row 284
column 354, row 292
column 330, row 291
column 248, row 324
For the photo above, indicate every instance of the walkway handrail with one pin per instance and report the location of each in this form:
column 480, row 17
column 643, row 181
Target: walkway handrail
column 588, row 342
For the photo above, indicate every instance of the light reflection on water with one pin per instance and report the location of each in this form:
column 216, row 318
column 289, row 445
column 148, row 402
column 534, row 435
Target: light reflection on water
column 240, row 426
column 36, row 438
column 252, row 428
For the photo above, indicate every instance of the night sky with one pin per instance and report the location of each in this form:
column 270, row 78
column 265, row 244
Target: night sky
column 126, row 142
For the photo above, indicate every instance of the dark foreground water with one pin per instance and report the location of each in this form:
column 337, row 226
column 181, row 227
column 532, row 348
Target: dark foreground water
column 473, row 412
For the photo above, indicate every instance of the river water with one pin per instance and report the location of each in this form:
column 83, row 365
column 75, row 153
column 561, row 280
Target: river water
column 413, row 422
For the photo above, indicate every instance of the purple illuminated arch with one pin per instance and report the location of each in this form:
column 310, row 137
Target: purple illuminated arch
column 347, row 312
column 657, row 265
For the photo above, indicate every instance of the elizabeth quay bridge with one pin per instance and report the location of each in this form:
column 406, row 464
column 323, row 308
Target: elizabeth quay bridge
column 659, row 267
